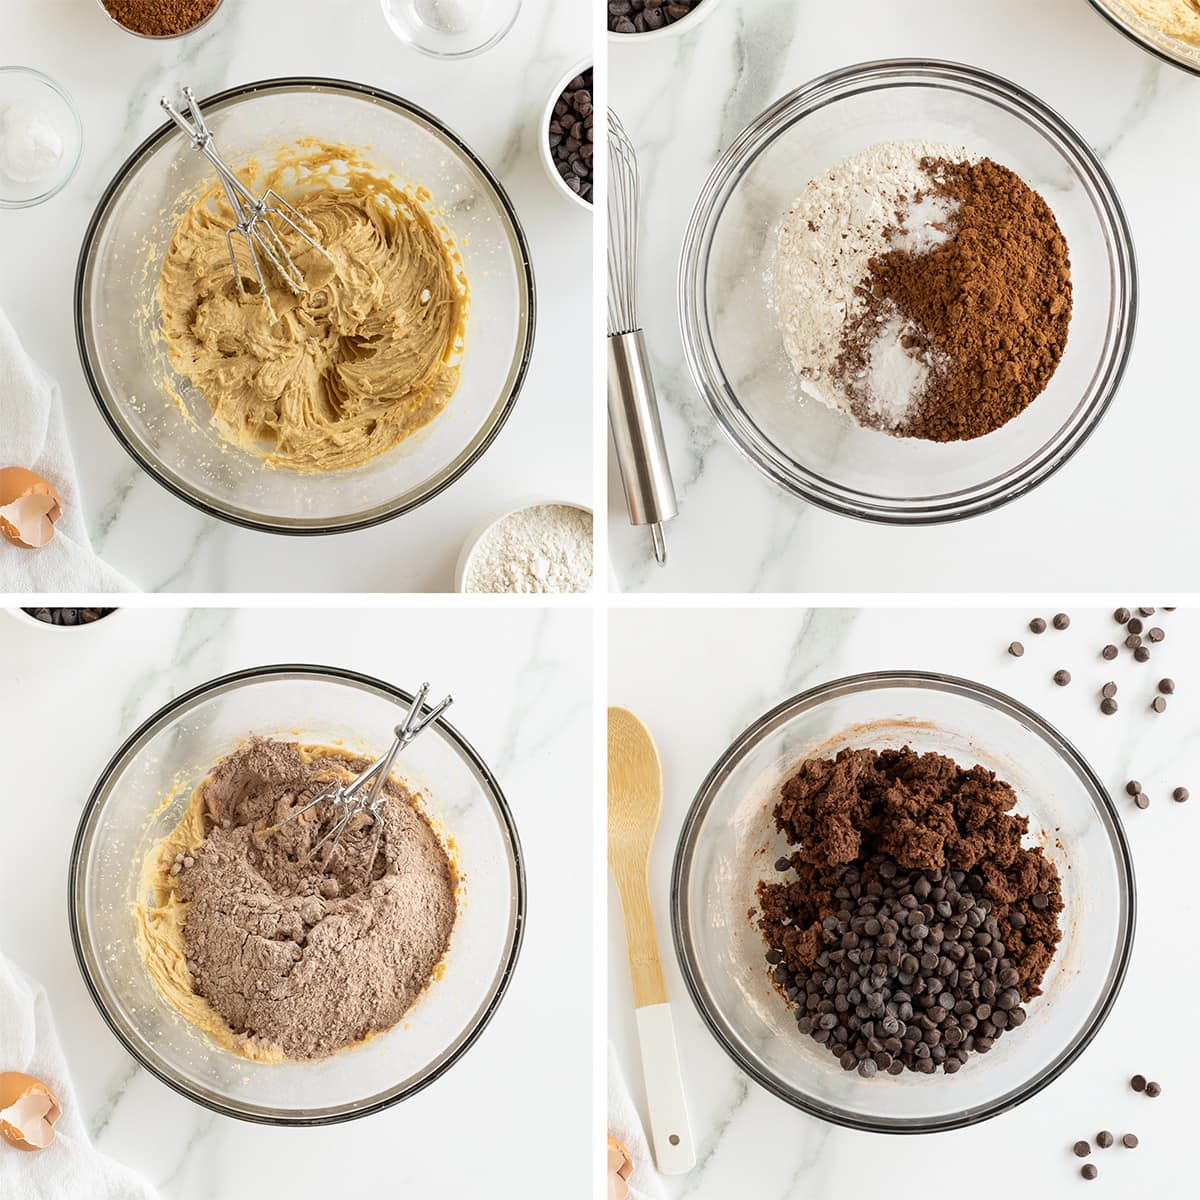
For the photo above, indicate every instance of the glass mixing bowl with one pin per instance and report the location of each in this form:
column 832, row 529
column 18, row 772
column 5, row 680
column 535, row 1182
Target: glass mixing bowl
column 1148, row 36
column 733, row 346
column 729, row 843
column 117, row 321
column 125, row 816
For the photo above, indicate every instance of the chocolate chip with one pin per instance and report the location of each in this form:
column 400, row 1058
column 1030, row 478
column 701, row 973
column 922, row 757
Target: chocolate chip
column 1129, row 1140
column 1133, row 787
column 571, row 136
column 68, row 617
column 1121, row 615
column 1016, row 649
column 1160, row 704
column 1133, row 641
column 1082, row 1149
column 1104, row 1139
column 1180, row 794
column 1062, row 678
column 1109, row 690
column 783, row 864
column 1153, row 1089
column 1138, row 1083
column 1089, row 1171
column 1109, row 652
column 1134, row 625
column 1108, row 706
column 1146, row 612
column 1166, row 686
column 1061, row 620
column 645, row 16
column 1037, row 625
column 1156, row 634
column 1142, row 653
column 1142, row 800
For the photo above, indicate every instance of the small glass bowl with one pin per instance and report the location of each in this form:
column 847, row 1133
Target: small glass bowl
column 1148, row 36
column 23, row 85
column 117, row 320
column 731, row 339
column 161, row 37
column 410, row 21
column 729, row 842
column 167, row 757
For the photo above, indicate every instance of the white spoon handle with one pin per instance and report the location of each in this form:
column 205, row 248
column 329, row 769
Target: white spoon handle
column 670, row 1131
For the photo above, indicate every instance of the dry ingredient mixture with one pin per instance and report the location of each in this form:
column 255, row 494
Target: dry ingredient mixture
column 911, row 924
column 275, row 958
column 160, row 18
column 1176, row 18
column 923, row 290
column 331, row 378
column 544, row 548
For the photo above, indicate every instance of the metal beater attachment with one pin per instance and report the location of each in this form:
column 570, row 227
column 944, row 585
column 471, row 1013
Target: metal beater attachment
column 365, row 793
column 252, row 215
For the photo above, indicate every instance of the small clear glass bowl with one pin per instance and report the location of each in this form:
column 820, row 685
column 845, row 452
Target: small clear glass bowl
column 727, row 307
column 168, row 756
column 1178, row 53
column 21, row 86
column 729, row 843
column 117, row 321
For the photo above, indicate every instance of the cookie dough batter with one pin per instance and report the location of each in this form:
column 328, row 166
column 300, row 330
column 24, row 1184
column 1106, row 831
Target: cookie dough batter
column 1176, row 18
column 277, row 959
column 335, row 376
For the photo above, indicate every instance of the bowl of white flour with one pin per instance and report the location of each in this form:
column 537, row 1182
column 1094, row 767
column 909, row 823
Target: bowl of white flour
column 538, row 547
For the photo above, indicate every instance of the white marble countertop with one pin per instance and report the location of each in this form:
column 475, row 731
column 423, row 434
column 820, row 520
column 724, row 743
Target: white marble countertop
column 749, row 1143
column 494, row 101
column 685, row 99
column 507, row 1117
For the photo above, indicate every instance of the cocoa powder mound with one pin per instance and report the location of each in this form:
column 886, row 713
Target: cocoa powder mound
column 993, row 302
column 310, row 957
column 160, row 18
column 923, row 811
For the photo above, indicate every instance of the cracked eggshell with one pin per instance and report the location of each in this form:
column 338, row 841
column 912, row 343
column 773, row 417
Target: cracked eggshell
column 28, row 1098
column 29, row 506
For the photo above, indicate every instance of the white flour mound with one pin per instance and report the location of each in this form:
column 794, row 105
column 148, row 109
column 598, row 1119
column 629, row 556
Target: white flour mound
column 865, row 205
column 545, row 548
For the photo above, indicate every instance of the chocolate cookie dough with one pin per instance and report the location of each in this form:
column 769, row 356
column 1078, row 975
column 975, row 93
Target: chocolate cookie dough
column 276, row 958
column 913, row 923
column 332, row 377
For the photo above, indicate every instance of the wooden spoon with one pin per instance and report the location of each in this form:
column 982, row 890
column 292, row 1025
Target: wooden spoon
column 634, row 810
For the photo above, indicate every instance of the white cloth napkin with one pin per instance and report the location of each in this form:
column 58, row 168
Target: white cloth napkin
column 69, row 1168
column 625, row 1125
column 33, row 435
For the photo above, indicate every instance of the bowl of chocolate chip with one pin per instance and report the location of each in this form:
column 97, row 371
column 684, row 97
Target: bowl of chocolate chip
column 903, row 902
column 648, row 20
column 268, row 951
column 908, row 292
column 567, row 142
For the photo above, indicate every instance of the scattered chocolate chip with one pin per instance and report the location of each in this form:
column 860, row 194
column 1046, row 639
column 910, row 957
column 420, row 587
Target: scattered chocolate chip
column 1121, row 615
column 1138, row 1083
column 783, row 864
column 1016, row 649
column 1142, row 800
column 1037, row 625
column 1133, row 787
column 1109, row 652
column 1082, row 1149
column 1153, row 1089
column 1160, row 704
column 1166, row 686
column 1108, row 691
column 1061, row 620
column 1134, row 625
column 1146, row 612
column 1133, row 641
column 1108, row 706
column 1104, row 1139
column 1130, row 1141
column 1062, row 678
column 1089, row 1171
column 1141, row 653
column 1180, row 794
column 1156, row 634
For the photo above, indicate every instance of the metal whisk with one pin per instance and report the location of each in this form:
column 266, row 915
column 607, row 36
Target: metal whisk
column 632, row 406
column 363, row 795
column 252, row 215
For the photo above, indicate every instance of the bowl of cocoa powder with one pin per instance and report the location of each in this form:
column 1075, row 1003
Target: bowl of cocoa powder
column 158, row 19
column 903, row 902
column 258, row 970
column 908, row 292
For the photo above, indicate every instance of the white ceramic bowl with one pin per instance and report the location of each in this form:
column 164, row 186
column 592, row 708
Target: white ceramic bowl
column 698, row 14
column 544, row 135
column 483, row 529
column 23, row 618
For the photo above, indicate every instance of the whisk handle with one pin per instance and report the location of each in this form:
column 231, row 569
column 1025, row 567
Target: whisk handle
column 637, row 432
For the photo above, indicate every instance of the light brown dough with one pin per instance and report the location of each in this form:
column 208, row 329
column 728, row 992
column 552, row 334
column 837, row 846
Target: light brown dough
column 337, row 375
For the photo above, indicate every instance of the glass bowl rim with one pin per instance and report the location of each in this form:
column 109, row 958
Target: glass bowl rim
column 501, row 409
column 233, row 681
column 66, row 97
column 1144, row 43
column 743, row 433
column 812, row 698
